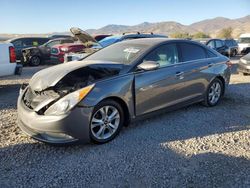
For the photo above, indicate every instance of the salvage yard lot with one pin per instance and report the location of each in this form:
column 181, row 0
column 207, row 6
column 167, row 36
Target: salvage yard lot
column 191, row 147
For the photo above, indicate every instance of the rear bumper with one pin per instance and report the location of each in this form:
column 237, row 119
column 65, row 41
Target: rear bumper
column 56, row 59
column 244, row 68
column 62, row 129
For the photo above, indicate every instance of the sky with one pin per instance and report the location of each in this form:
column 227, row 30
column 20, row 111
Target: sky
column 44, row 16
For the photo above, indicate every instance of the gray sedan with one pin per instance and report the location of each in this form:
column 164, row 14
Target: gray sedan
column 92, row 99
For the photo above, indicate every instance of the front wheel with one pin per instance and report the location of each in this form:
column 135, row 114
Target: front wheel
column 106, row 121
column 35, row 61
column 214, row 93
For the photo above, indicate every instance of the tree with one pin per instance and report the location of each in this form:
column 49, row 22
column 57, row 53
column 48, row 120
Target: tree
column 180, row 35
column 200, row 35
column 226, row 33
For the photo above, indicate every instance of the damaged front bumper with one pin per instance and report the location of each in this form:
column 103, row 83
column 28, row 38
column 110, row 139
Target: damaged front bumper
column 67, row 128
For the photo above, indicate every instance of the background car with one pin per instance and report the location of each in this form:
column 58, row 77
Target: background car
column 128, row 36
column 73, row 56
column 84, row 41
column 244, row 64
column 8, row 64
column 100, row 37
column 244, row 43
column 94, row 98
column 37, row 55
column 227, row 47
column 26, row 42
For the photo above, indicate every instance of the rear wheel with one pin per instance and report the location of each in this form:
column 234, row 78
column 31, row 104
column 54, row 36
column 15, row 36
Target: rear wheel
column 35, row 61
column 106, row 121
column 214, row 93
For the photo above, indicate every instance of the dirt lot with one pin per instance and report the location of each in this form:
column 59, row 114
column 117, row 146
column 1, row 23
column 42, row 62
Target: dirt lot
column 191, row 147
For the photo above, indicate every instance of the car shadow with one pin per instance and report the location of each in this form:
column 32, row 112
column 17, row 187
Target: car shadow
column 141, row 155
column 8, row 96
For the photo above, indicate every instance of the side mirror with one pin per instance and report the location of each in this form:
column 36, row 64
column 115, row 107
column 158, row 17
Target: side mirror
column 148, row 65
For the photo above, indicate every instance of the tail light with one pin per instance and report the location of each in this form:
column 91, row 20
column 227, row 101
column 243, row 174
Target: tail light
column 229, row 64
column 12, row 54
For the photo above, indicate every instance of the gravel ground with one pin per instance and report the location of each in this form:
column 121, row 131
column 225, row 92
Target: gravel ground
column 191, row 147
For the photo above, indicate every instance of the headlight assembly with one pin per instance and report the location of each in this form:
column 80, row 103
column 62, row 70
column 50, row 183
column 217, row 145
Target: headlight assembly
column 66, row 103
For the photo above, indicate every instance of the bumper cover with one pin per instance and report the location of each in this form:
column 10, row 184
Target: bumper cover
column 245, row 68
column 67, row 128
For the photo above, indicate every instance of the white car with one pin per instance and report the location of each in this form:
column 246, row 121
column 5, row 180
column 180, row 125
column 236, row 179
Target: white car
column 244, row 43
column 8, row 65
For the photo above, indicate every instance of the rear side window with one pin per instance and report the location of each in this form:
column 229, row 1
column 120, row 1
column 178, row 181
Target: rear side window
column 17, row 43
column 211, row 44
column 192, row 52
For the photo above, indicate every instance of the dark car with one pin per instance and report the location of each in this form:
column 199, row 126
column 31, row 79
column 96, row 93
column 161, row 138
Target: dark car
column 128, row 36
column 104, row 42
column 100, row 37
column 37, row 55
column 227, row 47
column 244, row 65
column 26, row 42
column 92, row 99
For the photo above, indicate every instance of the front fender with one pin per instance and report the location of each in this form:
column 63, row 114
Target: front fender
column 121, row 87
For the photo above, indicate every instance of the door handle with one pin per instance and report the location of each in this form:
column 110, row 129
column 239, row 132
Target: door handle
column 179, row 75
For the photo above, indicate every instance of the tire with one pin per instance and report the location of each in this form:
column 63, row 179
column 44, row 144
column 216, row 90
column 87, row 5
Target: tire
column 212, row 90
column 35, row 61
column 100, row 127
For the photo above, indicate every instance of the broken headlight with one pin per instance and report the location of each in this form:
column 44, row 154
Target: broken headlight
column 66, row 103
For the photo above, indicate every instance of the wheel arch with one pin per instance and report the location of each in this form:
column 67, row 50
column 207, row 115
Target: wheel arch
column 221, row 78
column 123, row 105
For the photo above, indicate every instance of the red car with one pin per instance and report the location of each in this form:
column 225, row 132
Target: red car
column 84, row 40
column 58, row 51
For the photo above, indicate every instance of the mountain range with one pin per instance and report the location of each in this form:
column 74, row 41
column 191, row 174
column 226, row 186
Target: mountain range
column 208, row 26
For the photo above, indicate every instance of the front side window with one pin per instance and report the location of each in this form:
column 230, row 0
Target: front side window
column 192, row 52
column 165, row 55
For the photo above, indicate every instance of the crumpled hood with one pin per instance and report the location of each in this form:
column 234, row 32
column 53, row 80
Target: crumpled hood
column 49, row 77
column 82, row 36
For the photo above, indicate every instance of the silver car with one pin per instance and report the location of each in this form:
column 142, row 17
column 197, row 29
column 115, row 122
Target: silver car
column 92, row 99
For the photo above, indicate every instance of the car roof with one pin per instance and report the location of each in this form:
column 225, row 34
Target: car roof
column 18, row 38
column 155, row 41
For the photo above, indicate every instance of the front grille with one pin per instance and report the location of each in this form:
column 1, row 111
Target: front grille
column 33, row 98
column 28, row 97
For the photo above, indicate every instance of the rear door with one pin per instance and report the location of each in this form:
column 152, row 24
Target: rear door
column 194, row 68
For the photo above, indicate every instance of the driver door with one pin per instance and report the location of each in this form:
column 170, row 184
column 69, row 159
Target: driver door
column 157, row 89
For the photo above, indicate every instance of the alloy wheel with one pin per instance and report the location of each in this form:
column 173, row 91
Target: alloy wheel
column 105, row 122
column 214, row 93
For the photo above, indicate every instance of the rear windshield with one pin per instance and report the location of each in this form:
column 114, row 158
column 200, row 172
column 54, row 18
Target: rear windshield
column 123, row 53
column 109, row 40
column 244, row 40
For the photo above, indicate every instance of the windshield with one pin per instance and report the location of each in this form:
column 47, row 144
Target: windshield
column 109, row 40
column 244, row 40
column 123, row 53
